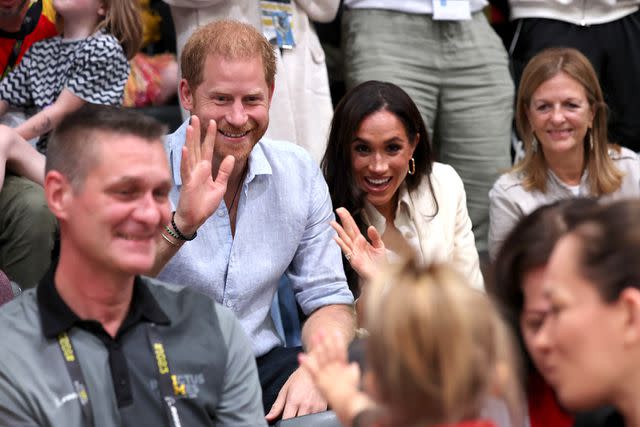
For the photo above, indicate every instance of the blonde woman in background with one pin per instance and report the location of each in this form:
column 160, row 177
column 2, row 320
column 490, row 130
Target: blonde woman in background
column 562, row 118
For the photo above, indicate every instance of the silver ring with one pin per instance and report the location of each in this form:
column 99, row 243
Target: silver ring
column 348, row 256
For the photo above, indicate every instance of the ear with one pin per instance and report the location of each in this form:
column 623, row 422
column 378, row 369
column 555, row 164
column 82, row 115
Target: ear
column 102, row 9
column 59, row 194
column 186, row 95
column 629, row 302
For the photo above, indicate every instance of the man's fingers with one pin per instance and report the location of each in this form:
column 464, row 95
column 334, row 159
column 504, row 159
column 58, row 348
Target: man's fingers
column 278, row 405
column 225, row 171
column 291, row 410
column 184, row 164
column 209, row 140
column 197, row 147
column 310, row 408
column 188, row 149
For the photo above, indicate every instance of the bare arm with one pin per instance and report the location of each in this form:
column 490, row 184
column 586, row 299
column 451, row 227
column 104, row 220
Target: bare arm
column 49, row 117
column 331, row 319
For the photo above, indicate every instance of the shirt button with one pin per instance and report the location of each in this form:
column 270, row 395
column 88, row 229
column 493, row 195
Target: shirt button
column 220, row 213
column 229, row 304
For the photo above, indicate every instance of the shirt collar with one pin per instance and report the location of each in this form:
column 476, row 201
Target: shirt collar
column 57, row 317
column 258, row 162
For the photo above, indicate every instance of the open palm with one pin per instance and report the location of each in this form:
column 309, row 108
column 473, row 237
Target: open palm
column 365, row 258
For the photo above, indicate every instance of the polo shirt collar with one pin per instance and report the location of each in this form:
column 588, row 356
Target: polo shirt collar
column 57, row 317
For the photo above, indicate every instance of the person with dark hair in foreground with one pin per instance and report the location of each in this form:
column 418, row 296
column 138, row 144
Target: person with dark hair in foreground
column 591, row 338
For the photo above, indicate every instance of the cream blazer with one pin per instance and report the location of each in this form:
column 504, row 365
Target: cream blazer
column 446, row 237
column 301, row 108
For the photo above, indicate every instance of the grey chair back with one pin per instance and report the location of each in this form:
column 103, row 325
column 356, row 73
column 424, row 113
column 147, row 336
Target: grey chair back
column 321, row 419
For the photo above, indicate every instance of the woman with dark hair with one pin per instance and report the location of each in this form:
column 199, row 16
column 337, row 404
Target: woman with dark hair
column 591, row 338
column 517, row 286
column 561, row 117
column 380, row 171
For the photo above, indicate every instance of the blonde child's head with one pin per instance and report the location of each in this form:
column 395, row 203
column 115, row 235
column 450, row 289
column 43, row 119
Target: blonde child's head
column 437, row 348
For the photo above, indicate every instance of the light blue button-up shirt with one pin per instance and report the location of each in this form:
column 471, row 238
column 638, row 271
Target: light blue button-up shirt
column 282, row 227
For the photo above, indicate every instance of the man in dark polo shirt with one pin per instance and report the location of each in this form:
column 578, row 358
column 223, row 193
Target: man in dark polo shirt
column 96, row 344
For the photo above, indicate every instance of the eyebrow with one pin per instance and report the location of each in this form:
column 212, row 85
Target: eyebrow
column 388, row 141
column 136, row 180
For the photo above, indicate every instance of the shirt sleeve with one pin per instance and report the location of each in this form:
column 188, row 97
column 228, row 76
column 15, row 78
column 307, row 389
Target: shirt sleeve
column 101, row 71
column 15, row 88
column 240, row 403
column 316, row 272
column 504, row 213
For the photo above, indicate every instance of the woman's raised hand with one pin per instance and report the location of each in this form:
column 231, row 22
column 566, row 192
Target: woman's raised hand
column 365, row 258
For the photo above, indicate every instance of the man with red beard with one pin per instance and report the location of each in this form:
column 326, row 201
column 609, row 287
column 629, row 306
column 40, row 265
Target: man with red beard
column 274, row 217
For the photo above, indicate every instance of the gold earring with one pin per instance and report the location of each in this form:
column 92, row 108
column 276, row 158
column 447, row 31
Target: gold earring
column 591, row 139
column 412, row 166
column 534, row 144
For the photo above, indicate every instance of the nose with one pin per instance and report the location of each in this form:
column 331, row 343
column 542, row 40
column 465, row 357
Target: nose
column 378, row 164
column 557, row 115
column 151, row 211
column 236, row 115
column 541, row 340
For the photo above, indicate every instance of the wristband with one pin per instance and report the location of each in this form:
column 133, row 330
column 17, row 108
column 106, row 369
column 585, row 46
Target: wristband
column 179, row 234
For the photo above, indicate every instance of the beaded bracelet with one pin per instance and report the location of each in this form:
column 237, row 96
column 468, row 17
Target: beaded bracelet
column 179, row 234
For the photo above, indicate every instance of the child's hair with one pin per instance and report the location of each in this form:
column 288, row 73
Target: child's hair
column 123, row 20
column 437, row 349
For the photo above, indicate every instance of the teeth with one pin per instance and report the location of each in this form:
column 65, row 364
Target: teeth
column 378, row 181
column 233, row 135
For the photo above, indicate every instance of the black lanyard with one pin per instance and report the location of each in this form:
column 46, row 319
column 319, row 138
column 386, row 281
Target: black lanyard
column 167, row 383
column 75, row 372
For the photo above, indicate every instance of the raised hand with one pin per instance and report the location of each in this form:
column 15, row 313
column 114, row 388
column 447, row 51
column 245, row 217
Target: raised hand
column 365, row 258
column 337, row 379
column 200, row 194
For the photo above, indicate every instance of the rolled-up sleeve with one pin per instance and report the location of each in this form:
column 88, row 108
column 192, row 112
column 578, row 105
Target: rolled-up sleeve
column 316, row 273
